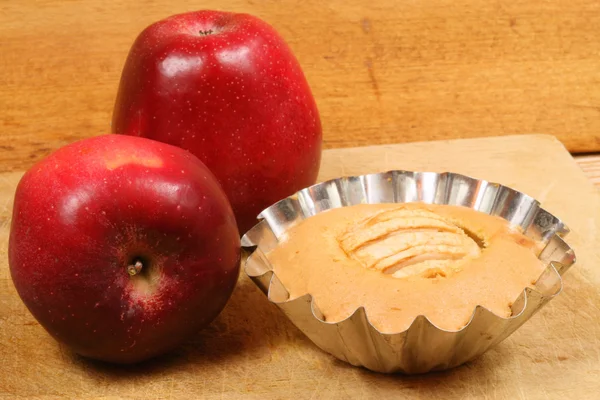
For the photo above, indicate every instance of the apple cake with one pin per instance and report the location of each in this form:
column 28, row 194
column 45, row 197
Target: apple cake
column 400, row 261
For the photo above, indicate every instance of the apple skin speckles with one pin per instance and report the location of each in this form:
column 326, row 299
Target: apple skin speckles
column 227, row 88
column 79, row 222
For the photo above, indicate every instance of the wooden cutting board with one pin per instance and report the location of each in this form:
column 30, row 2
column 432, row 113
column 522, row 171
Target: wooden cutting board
column 252, row 351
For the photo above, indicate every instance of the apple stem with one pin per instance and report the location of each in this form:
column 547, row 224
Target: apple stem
column 134, row 269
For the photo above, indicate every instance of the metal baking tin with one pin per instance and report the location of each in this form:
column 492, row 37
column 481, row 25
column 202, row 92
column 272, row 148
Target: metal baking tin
column 423, row 346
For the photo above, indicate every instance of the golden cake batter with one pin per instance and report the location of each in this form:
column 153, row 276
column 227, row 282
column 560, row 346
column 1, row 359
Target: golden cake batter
column 403, row 260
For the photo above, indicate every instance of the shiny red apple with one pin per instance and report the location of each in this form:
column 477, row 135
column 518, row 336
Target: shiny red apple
column 227, row 88
column 122, row 247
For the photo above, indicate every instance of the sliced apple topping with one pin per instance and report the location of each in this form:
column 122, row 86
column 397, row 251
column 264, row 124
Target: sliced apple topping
column 405, row 242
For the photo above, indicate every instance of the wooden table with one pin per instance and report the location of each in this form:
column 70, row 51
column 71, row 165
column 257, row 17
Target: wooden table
column 382, row 71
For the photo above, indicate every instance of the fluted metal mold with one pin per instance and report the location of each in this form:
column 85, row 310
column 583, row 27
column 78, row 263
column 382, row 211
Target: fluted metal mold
column 423, row 346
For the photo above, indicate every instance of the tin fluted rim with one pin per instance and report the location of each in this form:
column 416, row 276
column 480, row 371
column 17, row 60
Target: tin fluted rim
column 355, row 339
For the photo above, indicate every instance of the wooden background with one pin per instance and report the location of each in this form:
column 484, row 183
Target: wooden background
column 382, row 71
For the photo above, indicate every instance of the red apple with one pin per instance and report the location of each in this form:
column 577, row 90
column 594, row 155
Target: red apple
column 227, row 88
column 122, row 247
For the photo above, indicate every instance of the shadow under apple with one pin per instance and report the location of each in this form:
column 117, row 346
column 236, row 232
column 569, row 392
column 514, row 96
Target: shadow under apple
column 249, row 329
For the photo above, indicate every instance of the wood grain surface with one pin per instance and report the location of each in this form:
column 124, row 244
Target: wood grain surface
column 382, row 71
column 591, row 167
column 252, row 351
